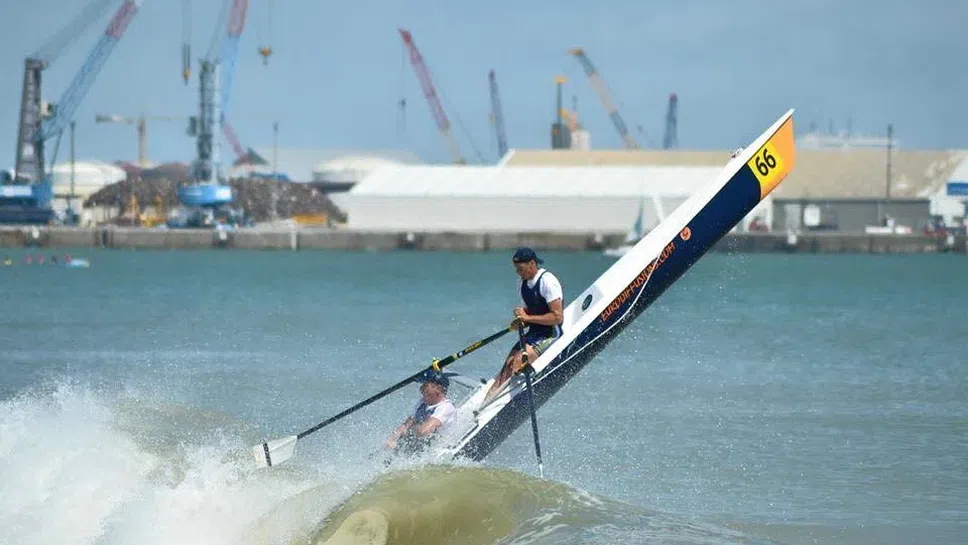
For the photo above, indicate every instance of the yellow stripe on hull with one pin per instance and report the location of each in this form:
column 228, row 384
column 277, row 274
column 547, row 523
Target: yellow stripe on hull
column 775, row 159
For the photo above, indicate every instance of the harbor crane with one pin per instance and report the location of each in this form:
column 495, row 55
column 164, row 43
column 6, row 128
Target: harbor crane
column 605, row 97
column 497, row 115
column 430, row 93
column 27, row 199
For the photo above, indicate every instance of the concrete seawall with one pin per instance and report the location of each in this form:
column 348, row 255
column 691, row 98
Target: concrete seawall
column 342, row 239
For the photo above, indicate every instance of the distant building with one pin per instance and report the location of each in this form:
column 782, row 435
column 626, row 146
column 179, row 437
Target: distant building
column 89, row 178
column 508, row 199
column 838, row 188
column 310, row 165
column 842, row 187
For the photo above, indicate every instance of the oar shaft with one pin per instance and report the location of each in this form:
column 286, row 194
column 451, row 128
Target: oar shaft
column 442, row 363
column 467, row 350
column 534, row 422
column 360, row 405
column 534, row 413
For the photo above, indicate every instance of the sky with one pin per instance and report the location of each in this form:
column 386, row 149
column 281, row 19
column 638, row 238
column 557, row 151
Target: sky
column 339, row 70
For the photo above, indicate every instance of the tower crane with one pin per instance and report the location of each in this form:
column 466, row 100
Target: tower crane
column 605, row 97
column 427, row 84
column 497, row 115
column 40, row 121
column 141, row 124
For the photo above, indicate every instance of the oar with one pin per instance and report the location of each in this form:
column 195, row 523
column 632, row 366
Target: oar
column 528, row 371
column 276, row 451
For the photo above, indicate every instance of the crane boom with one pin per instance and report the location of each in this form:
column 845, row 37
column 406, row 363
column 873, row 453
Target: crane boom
column 36, row 127
column 427, row 85
column 230, row 49
column 141, row 124
column 497, row 114
column 232, row 139
column 605, row 97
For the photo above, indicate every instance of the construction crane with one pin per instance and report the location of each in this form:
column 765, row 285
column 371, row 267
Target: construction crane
column 427, row 84
column 215, row 81
column 141, row 124
column 605, row 97
column 497, row 115
column 226, row 62
column 40, row 122
column 671, row 139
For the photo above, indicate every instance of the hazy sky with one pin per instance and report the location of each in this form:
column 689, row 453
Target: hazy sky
column 339, row 70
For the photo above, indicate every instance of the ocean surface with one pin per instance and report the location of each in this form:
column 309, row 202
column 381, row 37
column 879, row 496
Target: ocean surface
column 774, row 399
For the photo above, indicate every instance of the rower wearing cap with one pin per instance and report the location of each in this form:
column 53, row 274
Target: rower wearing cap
column 433, row 414
column 542, row 314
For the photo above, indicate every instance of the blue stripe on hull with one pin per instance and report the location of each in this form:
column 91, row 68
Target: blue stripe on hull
column 727, row 208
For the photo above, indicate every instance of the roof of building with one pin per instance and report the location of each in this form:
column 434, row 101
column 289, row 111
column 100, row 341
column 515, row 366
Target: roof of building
column 299, row 164
column 827, row 173
column 491, row 181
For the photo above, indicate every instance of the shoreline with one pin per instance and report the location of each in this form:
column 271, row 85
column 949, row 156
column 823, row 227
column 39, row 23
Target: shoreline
column 312, row 238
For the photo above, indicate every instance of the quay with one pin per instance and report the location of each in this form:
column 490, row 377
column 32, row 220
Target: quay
column 315, row 238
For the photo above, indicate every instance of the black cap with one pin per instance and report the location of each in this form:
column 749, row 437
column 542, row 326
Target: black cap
column 523, row 255
column 436, row 377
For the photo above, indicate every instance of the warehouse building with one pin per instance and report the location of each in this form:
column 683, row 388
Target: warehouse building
column 845, row 189
column 577, row 199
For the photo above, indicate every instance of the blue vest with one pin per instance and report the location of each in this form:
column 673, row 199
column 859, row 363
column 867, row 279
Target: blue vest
column 535, row 303
column 422, row 413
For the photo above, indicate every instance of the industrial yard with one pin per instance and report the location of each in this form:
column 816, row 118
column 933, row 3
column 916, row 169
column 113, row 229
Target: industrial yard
column 846, row 187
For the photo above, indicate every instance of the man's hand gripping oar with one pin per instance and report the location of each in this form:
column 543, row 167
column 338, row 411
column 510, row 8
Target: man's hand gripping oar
column 275, row 451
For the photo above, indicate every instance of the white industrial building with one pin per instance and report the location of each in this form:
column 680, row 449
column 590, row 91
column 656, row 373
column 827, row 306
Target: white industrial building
column 521, row 199
column 89, row 178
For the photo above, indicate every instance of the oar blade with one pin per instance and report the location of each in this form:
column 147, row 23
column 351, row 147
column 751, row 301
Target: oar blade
column 274, row 452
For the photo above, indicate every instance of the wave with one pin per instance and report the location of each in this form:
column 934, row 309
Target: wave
column 84, row 465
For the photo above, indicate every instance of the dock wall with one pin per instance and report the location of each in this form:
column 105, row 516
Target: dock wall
column 343, row 239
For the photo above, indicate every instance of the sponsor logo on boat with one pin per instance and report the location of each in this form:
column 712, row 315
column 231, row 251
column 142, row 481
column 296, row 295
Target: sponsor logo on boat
column 639, row 281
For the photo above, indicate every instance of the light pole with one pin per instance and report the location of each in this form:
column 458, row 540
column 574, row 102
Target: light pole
column 70, row 198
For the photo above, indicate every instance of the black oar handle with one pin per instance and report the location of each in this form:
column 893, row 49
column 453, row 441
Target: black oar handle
column 441, row 363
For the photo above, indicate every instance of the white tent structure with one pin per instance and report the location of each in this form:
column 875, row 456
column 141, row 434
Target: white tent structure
column 509, row 199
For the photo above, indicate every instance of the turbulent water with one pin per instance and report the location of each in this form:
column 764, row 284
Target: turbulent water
column 764, row 399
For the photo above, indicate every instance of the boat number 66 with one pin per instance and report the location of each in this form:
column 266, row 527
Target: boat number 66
column 765, row 162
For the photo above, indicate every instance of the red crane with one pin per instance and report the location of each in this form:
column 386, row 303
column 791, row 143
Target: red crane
column 443, row 124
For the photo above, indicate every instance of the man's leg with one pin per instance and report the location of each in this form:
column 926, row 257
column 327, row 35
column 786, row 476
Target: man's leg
column 513, row 364
column 504, row 374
